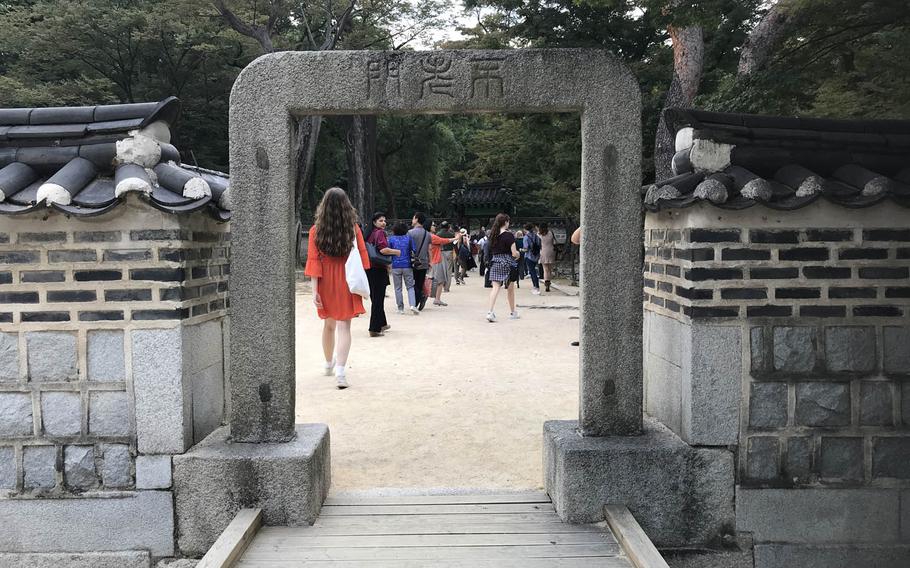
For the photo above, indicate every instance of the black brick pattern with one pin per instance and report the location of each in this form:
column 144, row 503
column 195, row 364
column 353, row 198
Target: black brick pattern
column 139, row 275
column 824, row 273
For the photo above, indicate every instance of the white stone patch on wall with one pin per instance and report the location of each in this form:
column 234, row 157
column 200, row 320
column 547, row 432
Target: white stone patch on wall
column 710, row 155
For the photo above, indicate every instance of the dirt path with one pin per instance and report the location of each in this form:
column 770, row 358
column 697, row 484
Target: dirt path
column 432, row 406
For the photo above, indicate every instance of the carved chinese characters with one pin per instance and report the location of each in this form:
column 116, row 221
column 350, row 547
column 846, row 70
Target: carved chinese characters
column 439, row 75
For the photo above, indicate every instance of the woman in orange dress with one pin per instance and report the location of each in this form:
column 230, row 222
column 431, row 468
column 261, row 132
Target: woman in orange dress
column 331, row 239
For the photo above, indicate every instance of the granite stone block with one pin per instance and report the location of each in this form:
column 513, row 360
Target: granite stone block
column 208, row 400
column 798, row 464
column 897, row 350
column 841, row 458
column 757, row 349
column 836, row 556
column 125, row 559
column 9, row 356
column 850, row 349
column 163, row 398
column 109, row 413
column 7, row 467
column 905, row 403
column 105, row 355
column 51, row 356
column 768, row 405
column 141, row 520
column 116, row 466
column 838, row 515
column 287, row 480
column 712, row 386
column 876, row 407
column 39, row 467
column 763, row 459
column 795, row 349
column 891, row 457
column 681, row 495
column 79, row 467
column 822, row 404
column 153, row 472
column 61, row 413
column 15, row 414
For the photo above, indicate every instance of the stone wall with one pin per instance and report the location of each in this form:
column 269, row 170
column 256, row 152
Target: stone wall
column 111, row 360
column 786, row 337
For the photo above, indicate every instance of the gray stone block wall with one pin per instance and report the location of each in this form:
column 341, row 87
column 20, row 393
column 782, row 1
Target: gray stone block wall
column 70, row 389
column 837, row 405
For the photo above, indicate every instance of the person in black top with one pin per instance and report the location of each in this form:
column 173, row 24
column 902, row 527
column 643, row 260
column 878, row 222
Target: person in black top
column 503, row 264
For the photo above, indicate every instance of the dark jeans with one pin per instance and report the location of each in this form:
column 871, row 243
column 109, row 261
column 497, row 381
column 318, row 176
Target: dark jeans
column 532, row 271
column 420, row 275
column 379, row 280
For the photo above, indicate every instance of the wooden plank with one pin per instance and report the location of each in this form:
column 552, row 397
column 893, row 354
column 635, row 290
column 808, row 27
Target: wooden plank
column 636, row 544
column 233, row 541
column 263, row 551
column 615, row 562
column 351, row 500
column 333, row 510
column 332, row 521
column 454, row 527
column 284, row 537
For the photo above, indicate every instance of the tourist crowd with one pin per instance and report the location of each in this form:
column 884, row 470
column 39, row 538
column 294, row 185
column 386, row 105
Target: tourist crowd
column 419, row 261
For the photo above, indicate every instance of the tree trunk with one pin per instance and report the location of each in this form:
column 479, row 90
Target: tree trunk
column 762, row 40
column 308, row 128
column 359, row 151
column 688, row 64
column 391, row 206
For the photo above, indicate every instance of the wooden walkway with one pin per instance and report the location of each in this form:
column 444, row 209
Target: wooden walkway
column 446, row 531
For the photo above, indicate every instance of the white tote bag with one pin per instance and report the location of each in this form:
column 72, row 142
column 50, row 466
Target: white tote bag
column 355, row 274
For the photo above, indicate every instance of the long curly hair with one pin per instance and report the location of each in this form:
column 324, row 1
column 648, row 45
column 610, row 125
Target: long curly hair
column 335, row 221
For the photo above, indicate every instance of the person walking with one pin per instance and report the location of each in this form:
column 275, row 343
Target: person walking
column 464, row 260
column 532, row 255
column 421, row 260
column 402, row 273
column 503, row 265
column 331, row 240
column 481, row 247
column 547, row 253
column 439, row 270
column 378, row 276
column 448, row 252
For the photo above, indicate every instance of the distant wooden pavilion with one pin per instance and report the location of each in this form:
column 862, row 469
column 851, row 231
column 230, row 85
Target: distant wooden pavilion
column 480, row 202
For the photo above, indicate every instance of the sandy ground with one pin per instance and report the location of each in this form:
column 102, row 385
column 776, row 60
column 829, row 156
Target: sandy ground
column 445, row 400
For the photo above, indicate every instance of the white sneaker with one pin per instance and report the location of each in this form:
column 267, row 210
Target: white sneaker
column 491, row 317
column 536, row 291
column 514, row 316
column 415, row 310
column 342, row 382
column 401, row 311
column 329, row 368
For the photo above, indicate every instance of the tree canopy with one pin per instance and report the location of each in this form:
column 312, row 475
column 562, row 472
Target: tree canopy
column 835, row 58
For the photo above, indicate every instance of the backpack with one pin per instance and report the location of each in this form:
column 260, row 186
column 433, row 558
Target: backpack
column 535, row 245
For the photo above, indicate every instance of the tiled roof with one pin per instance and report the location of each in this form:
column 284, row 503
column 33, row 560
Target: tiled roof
column 735, row 161
column 83, row 160
column 482, row 194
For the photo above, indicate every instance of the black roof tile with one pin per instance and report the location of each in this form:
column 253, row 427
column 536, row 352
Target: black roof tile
column 75, row 148
column 785, row 163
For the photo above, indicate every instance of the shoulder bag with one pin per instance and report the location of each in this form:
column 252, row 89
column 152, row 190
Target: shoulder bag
column 354, row 273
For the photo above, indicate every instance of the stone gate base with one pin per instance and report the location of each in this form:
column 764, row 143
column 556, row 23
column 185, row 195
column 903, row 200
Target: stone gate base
column 681, row 496
column 216, row 478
